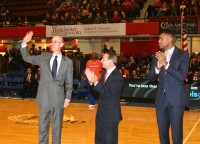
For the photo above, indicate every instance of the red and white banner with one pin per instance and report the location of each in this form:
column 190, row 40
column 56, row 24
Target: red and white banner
column 91, row 30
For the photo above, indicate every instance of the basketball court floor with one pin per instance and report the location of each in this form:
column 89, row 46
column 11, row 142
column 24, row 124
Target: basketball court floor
column 19, row 124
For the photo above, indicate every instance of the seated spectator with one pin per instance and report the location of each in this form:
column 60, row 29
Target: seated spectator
column 73, row 9
column 163, row 10
column 19, row 22
column 127, row 4
column 64, row 8
column 26, row 23
column 84, row 16
column 56, row 18
column 135, row 11
column 84, row 2
column 29, row 83
column 124, row 71
column 4, row 12
column 96, row 8
column 139, row 72
column 116, row 17
column 98, row 19
column 194, row 7
column 132, row 65
column 51, row 6
column 79, row 19
column 193, row 64
column 67, row 18
column 115, row 3
column 133, row 75
column 90, row 18
column 194, row 77
column 47, row 19
column 172, row 8
column 105, row 5
column 123, row 17
column 157, row 5
column 150, row 11
column 72, row 20
column 12, row 62
column 106, row 18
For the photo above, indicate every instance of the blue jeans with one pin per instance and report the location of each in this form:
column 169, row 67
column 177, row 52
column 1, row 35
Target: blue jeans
column 91, row 98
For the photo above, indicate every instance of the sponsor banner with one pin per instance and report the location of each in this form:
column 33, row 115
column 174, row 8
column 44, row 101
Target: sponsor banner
column 146, row 91
column 139, row 88
column 191, row 27
column 90, row 30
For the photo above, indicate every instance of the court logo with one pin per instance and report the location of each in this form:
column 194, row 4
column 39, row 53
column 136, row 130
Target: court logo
column 32, row 119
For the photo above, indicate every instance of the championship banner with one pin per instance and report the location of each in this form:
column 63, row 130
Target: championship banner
column 191, row 26
column 91, row 30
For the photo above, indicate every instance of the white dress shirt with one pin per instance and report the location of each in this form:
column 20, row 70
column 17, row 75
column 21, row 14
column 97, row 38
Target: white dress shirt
column 58, row 61
column 108, row 73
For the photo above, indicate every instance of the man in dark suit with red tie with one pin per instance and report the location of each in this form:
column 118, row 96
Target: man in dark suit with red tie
column 109, row 110
column 170, row 66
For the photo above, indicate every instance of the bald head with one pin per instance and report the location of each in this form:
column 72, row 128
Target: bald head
column 93, row 55
column 59, row 38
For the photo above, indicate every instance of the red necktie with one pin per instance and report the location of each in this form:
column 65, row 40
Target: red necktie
column 165, row 71
column 105, row 77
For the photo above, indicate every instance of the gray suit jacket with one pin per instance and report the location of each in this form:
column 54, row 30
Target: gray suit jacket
column 51, row 91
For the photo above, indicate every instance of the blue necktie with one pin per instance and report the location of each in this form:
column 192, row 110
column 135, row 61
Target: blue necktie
column 54, row 67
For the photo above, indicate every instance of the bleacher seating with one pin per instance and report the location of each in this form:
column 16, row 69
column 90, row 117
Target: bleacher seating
column 83, row 89
column 75, row 87
column 27, row 7
column 11, row 83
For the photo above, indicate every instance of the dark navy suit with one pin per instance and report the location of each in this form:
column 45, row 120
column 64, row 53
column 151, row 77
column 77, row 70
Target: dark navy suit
column 109, row 109
column 171, row 96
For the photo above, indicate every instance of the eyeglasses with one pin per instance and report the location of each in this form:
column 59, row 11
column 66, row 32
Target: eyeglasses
column 56, row 42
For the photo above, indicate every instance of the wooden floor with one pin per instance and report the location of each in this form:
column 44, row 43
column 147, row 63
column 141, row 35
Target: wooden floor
column 19, row 118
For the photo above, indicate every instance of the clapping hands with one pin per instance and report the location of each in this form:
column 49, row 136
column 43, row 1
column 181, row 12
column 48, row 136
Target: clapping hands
column 162, row 60
column 91, row 76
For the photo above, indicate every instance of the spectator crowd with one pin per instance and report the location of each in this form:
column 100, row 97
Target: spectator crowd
column 131, row 67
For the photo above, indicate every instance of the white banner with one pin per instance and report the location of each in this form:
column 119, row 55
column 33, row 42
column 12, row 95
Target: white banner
column 91, row 30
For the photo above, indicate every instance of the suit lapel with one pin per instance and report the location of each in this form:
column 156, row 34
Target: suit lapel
column 48, row 64
column 110, row 76
column 174, row 55
column 173, row 58
column 61, row 65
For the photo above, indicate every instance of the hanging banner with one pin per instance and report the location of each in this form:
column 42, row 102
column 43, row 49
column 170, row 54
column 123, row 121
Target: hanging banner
column 191, row 27
column 91, row 30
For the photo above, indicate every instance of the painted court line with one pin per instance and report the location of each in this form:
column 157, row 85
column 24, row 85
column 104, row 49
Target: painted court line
column 191, row 131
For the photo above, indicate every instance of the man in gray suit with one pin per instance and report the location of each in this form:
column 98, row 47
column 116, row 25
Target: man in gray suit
column 55, row 87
